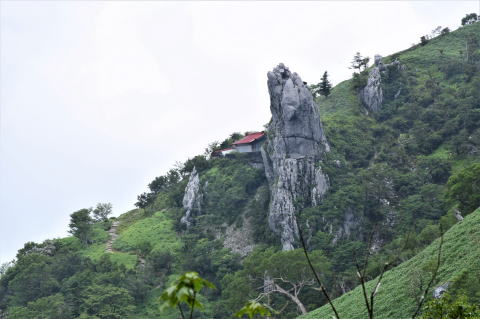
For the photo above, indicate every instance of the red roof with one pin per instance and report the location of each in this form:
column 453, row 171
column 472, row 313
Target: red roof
column 250, row 138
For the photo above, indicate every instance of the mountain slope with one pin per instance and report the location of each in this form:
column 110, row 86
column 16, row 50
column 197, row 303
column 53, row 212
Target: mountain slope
column 388, row 171
column 396, row 297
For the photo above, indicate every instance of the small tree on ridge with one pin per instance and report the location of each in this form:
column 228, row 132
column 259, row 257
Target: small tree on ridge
column 325, row 85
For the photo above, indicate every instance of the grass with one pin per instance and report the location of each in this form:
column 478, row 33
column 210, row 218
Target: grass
column 128, row 260
column 96, row 251
column 447, row 46
column 341, row 99
column 156, row 230
column 99, row 235
column 130, row 218
column 395, row 299
column 442, row 153
column 462, row 163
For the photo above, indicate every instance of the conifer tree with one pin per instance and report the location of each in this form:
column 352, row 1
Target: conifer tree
column 325, row 85
column 359, row 62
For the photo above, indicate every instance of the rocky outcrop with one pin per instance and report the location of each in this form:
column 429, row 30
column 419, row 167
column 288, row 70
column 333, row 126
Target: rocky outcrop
column 192, row 200
column 295, row 145
column 458, row 215
column 240, row 239
column 372, row 94
column 46, row 248
column 440, row 290
column 350, row 223
column 239, row 236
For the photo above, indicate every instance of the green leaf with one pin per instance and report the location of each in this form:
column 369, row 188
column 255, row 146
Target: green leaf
column 253, row 308
column 185, row 290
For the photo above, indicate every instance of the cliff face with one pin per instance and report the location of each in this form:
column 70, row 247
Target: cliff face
column 372, row 94
column 295, row 143
column 192, row 200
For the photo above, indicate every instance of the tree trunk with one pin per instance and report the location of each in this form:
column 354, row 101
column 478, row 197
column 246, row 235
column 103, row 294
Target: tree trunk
column 294, row 298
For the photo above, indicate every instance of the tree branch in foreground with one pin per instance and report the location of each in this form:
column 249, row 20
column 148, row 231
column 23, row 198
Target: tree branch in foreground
column 315, row 274
column 434, row 276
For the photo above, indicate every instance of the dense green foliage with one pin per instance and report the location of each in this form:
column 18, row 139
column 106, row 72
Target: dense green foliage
column 53, row 280
column 80, row 225
column 284, row 272
column 252, row 309
column 230, row 187
column 389, row 170
column 394, row 176
column 447, row 308
column 470, row 18
column 102, row 211
column 464, row 187
column 186, row 290
column 400, row 288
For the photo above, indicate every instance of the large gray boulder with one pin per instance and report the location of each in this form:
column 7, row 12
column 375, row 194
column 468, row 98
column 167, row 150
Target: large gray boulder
column 295, row 145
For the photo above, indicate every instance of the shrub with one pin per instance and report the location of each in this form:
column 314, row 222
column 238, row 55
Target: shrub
column 464, row 188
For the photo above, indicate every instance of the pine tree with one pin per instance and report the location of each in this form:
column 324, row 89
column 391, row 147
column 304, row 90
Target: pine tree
column 359, row 62
column 325, row 85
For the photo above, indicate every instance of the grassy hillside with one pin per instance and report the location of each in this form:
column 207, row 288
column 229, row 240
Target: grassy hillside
column 397, row 295
column 156, row 232
column 400, row 171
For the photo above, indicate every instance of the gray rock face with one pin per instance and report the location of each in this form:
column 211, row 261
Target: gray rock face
column 295, row 144
column 240, row 240
column 46, row 248
column 192, row 200
column 350, row 223
column 372, row 94
column 458, row 215
column 440, row 290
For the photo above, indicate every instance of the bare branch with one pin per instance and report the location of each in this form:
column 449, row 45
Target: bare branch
column 364, row 289
column 361, row 275
column 315, row 274
column 193, row 303
column 367, row 255
column 262, row 295
column 377, row 286
column 369, row 302
column 297, row 301
column 305, row 283
column 181, row 311
column 434, row 275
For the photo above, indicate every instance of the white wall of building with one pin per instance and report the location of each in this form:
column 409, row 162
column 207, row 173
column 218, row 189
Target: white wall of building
column 244, row 148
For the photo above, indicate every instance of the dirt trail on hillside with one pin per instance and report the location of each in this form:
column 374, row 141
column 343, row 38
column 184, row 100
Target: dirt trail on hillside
column 113, row 235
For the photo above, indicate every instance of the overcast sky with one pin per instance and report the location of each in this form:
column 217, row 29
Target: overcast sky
column 98, row 98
